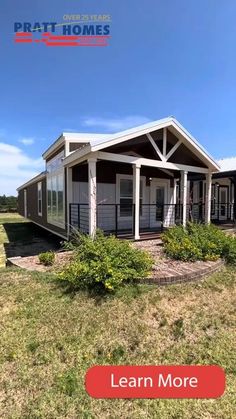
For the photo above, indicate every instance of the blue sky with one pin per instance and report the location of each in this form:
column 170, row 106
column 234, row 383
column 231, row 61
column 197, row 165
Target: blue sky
column 172, row 57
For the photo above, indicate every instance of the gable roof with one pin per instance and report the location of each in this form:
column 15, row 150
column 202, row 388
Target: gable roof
column 97, row 144
column 72, row 137
column 36, row 178
column 228, row 164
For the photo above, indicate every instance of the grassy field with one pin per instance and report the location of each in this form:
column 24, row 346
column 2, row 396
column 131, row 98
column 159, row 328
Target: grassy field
column 50, row 337
column 20, row 237
column 8, row 218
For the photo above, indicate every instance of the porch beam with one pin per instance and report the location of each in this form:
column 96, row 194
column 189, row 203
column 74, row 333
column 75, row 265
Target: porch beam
column 92, row 196
column 183, row 190
column 167, row 172
column 156, row 148
column 172, row 151
column 84, row 154
column 149, row 162
column 164, row 142
column 208, row 198
column 136, row 199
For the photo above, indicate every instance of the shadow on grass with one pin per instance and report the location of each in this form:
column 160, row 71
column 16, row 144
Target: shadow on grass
column 27, row 239
column 127, row 291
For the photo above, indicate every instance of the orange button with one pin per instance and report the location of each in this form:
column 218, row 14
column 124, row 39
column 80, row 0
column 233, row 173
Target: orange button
column 165, row 382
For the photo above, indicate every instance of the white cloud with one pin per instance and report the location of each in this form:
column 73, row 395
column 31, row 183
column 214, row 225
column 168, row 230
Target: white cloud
column 16, row 167
column 27, row 141
column 115, row 124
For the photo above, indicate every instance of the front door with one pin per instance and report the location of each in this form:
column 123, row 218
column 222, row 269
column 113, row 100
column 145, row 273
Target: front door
column 223, row 203
column 158, row 199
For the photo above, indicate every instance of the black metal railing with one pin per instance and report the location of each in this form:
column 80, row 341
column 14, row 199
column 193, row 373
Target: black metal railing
column 223, row 212
column 79, row 217
column 119, row 219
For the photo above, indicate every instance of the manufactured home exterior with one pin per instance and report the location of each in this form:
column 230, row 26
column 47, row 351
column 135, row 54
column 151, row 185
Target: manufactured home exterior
column 223, row 192
column 127, row 183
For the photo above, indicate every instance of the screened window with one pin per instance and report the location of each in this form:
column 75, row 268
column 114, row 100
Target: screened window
column 39, row 198
column 55, row 191
column 126, row 197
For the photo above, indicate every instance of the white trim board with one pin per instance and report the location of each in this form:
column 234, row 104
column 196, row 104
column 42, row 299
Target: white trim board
column 174, row 126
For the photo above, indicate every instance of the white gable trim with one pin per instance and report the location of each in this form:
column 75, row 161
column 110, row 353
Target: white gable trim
column 156, row 148
column 174, row 127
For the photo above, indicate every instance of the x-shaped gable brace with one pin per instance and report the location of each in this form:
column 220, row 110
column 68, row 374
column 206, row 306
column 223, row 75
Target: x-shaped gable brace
column 163, row 156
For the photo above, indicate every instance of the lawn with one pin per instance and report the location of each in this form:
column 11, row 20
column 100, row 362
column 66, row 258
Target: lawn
column 7, row 218
column 20, row 237
column 51, row 336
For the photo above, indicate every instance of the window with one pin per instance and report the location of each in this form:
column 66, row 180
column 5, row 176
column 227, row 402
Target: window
column 126, row 196
column 55, row 191
column 40, row 198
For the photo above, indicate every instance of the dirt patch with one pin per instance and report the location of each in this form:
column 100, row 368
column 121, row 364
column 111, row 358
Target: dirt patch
column 31, row 263
column 161, row 262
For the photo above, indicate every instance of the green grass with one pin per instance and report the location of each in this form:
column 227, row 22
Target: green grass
column 11, row 217
column 50, row 337
column 20, row 237
column 17, row 226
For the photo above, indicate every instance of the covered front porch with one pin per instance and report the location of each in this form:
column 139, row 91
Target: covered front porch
column 137, row 187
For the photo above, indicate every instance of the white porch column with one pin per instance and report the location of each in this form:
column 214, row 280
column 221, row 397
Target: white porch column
column 208, row 198
column 136, row 199
column 69, row 196
column 183, row 194
column 92, row 196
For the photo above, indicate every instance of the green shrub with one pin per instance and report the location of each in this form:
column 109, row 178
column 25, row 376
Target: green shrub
column 199, row 242
column 104, row 261
column 47, row 258
column 230, row 250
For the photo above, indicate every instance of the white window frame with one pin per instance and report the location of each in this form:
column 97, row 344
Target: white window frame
column 40, row 198
column 59, row 171
column 120, row 177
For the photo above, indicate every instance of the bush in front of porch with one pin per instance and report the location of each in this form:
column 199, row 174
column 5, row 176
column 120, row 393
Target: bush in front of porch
column 105, row 262
column 199, row 242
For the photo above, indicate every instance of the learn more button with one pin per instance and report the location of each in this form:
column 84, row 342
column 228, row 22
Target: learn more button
column 163, row 382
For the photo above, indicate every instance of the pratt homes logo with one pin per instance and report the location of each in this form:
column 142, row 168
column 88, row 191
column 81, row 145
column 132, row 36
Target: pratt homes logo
column 75, row 31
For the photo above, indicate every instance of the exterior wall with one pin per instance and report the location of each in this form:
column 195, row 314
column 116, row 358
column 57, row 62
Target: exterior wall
column 20, row 203
column 75, row 146
column 32, row 206
column 54, row 154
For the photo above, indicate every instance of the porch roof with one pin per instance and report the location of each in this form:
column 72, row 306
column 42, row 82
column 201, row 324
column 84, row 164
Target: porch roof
column 99, row 144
